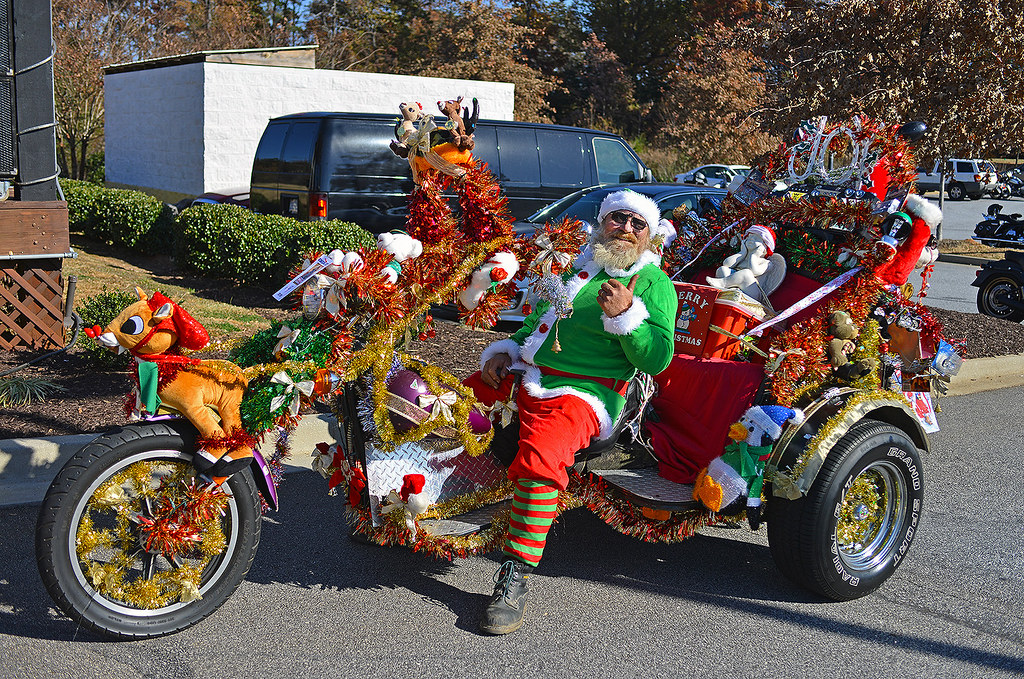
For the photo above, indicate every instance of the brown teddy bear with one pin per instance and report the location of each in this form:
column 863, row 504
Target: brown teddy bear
column 405, row 126
column 842, row 345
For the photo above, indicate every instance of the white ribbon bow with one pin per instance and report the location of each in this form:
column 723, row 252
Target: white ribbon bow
column 419, row 141
column 293, row 391
column 442, row 405
column 286, row 336
column 335, row 302
column 548, row 254
column 502, row 412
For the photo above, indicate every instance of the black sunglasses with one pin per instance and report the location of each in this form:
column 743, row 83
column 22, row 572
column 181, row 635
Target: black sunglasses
column 620, row 218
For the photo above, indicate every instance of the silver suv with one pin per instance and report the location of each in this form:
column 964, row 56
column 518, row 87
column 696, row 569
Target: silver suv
column 965, row 178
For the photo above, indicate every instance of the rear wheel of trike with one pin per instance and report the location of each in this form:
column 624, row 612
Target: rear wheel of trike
column 855, row 525
column 131, row 545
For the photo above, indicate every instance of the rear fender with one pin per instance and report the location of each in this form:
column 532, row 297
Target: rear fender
column 261, row 473
column 802, row 449
column 998, row 267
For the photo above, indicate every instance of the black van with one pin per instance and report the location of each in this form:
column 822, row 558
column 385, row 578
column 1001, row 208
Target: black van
column 340, row 166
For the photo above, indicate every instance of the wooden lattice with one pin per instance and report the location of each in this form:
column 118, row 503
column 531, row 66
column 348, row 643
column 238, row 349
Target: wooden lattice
column 31, row 304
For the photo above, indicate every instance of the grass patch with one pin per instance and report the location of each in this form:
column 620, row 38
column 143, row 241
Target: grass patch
column 970, row 247
column 99, row 267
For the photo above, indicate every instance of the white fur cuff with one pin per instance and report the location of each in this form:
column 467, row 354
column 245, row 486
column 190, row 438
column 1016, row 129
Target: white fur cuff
column 505, row 346
column 629, row 320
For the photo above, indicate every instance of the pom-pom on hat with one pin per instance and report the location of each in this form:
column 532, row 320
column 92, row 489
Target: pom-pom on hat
column 767, row 235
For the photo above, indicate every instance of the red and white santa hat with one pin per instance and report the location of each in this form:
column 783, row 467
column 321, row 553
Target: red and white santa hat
column 642, row 205
column 767, row 236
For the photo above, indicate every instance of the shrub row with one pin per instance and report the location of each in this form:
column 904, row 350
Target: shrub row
column 129, row 219
column 220, row 241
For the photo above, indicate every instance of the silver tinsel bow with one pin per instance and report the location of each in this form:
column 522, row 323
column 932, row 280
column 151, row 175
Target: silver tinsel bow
column 293, row 390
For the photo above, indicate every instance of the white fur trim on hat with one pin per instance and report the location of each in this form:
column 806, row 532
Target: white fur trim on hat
column 767, row 236
column 918, row 206
column 634, row 202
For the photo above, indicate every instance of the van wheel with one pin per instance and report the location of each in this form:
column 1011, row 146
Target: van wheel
column 956, row 191
column 856, row 524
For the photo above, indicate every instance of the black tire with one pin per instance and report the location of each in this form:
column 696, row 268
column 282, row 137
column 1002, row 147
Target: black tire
column 78, row 505
column 956, row 191
column 830, row 541
column 992, row 297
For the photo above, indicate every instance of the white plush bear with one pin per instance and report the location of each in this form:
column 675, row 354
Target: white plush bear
column 497, row 270
column 401, row 246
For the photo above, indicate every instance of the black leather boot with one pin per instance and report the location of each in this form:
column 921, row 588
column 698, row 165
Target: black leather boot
column 505, row 611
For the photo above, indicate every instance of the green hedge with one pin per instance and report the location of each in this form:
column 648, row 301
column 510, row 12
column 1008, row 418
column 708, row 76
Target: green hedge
column 129, row 219
column 227, row 241
column 221, row 241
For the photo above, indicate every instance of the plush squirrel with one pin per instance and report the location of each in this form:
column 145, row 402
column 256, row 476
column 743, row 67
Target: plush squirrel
column 405, row 126
column 401, row 246
column 464, row 122
column 734, row 479
column 843, row 344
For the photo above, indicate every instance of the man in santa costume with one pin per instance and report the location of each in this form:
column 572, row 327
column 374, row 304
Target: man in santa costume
column 612, row 315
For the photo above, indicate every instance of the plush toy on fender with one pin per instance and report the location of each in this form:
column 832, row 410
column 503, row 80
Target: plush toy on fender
column 734, row 479
column 154, row 330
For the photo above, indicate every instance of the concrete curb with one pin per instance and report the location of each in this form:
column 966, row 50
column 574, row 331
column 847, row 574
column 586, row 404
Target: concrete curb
column 965, row 259
column 28, row 466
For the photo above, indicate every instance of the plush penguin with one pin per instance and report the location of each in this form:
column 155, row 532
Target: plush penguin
column 733, row 480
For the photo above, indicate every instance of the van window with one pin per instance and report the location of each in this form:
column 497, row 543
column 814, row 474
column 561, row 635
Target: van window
column 517, row 149
column 614, row 161
column 485, row 148
column 356, row 156
column 297, row 156
column 268, row 154
column 561, row 158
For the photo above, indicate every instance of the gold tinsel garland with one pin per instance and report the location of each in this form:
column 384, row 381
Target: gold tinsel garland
column 849, row 528
column 828, row 429
column 628, row 519
column 109, row 578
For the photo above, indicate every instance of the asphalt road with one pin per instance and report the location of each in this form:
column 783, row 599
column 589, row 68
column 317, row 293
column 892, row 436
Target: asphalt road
column 959, row 217
column 316, row 604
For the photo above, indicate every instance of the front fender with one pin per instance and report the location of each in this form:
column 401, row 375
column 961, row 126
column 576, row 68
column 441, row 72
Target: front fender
column 801, row 450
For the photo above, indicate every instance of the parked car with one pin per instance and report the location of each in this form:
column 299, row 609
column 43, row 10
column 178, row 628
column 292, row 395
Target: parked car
column 717, row 176
column 340, row 166
column 965, row 178
column 584, row 205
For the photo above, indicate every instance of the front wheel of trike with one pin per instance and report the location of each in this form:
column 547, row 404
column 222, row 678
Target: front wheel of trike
column 131, row 545
column 855, row 525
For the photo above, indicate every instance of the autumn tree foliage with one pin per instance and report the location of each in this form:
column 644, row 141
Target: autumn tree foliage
column 955, row 65
column 708, row 111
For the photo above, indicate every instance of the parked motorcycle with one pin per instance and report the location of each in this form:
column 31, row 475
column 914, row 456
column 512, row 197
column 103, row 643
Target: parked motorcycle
column 998, row 229
column 999, row 286
column 1014, row 180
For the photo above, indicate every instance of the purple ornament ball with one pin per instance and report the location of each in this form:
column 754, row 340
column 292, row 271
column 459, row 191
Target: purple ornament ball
column 406, row 385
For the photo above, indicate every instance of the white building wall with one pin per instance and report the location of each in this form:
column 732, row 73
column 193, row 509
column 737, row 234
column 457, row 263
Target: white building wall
column 153, row 128
column 192, row 128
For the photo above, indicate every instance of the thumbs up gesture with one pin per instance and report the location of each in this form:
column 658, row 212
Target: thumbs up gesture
column 614, row 297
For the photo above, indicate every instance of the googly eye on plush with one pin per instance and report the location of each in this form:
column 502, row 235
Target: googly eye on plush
column 133, row 326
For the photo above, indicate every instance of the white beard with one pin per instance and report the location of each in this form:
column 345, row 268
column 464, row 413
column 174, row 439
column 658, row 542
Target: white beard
column 616, row 254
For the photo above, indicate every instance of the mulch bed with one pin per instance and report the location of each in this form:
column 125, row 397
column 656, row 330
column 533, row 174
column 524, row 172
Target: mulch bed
column 92, row 400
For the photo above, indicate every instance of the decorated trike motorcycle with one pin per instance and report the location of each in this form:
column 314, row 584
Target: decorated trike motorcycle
column 799, row 395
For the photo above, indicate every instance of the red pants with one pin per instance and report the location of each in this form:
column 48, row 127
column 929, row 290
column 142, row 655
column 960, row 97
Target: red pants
column 551, row 430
